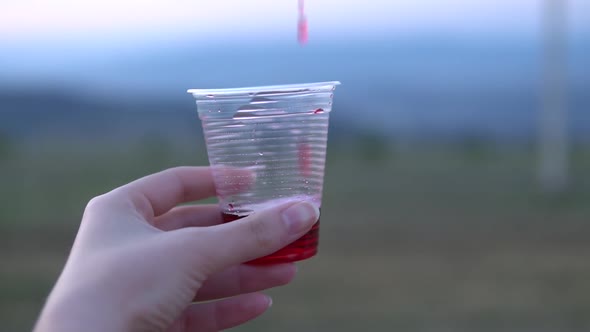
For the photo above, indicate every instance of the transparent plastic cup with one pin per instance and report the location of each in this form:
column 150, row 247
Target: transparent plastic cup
column 279, row 135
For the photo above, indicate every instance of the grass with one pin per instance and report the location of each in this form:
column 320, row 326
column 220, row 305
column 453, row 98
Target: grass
column 436, row 238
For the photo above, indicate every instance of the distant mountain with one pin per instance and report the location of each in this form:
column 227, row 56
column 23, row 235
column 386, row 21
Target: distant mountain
column 404, row 88
column 32, row 116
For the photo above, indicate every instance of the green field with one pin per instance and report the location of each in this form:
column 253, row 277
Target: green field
column 436, row 238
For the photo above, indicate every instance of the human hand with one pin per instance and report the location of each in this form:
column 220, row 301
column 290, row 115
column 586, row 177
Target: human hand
column 139, row 261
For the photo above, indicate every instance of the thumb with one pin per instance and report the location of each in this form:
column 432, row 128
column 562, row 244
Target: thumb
column 261, row 233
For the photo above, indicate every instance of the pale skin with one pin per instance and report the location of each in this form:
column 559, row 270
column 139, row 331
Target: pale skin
column 140, row 262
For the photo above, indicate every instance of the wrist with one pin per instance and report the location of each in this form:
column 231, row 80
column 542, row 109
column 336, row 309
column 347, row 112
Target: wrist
column 70, row 310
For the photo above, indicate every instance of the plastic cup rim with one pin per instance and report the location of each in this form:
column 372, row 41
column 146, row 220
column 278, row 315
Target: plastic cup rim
column 261, row 90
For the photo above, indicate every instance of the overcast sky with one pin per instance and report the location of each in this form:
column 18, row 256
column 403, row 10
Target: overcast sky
column 219, row 19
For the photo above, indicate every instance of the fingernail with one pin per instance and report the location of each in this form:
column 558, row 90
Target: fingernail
column 300, row 216
column 269, row 301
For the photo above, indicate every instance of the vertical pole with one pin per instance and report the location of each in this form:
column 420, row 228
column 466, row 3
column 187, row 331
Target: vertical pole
column 553, row 138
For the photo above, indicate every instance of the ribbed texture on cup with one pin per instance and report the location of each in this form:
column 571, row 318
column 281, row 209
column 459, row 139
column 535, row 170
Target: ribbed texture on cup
column 286, row 154
column 277, row 133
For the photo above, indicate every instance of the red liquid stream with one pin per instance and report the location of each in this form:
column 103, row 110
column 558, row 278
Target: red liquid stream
column 303, row 248
column 302, row 32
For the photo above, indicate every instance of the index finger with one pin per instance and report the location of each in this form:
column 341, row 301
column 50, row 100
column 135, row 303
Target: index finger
column 155, row 194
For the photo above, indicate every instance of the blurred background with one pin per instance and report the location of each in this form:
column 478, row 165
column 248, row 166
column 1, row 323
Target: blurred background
column 458, row 172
